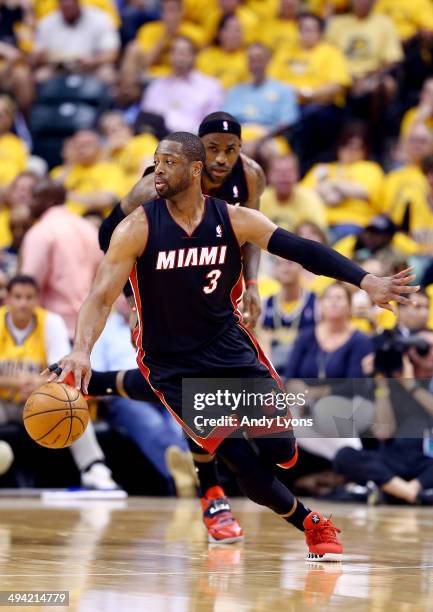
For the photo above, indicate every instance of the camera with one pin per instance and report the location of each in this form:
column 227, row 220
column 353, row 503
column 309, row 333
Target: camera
column 390, row 347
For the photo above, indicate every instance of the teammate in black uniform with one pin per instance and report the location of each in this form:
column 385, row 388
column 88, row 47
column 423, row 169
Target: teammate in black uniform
column 237, row 179
column 184, row 254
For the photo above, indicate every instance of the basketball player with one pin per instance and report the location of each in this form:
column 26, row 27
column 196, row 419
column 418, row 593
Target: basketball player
column 237, row 179
column 182, row 254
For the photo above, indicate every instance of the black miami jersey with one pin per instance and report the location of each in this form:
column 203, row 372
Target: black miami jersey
column 186, row 286
column 234, row 190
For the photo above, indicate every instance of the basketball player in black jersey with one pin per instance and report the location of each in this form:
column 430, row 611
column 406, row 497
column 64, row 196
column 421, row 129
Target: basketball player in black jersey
column 237, row 179
column 181, row 252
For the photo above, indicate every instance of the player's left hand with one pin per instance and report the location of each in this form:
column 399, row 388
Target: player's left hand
column 252, row 306
column 384, row 290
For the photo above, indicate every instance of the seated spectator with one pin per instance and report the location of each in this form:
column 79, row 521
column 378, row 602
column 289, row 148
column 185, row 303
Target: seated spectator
column 60, row 252
column 42, row 8
column 149, row 424
column 220, row 9
column 20, row 221
column 149, row 54
column 370, row 43
column 319, row 74
column 400, row 467
column 409, row 16
column 30, row 339
column 264, row 106
column 416, row 145
column 311, row 231
column 127, row 94
column 91, row 183
column 331, row 348
column 286, row 202
column 226, row 60
column 185, row 97
column 327, row 8
column 414, row 213
column 286, row 313
column 76, row 39
column 13, row 152
column 423, row 113
column 351, row 186
column 19, row 193
column 380, row 238
column 132, row 154
column 15, row 75
column 281, row 31
column 317, row 70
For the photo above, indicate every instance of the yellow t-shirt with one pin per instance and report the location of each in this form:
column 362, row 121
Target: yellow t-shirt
column 304, row 205
column 398, row 184
column 43, row 8
column 429, row 291
column 313, row 68
column 102, row 176
column 248, row 19
column 420, row 207
column 279, row 34
column 401, row 242
column 368, row 44
column 408, row 16
column 264, row 9
column 229, row 68
column 409, row 119
column 150, row 33
column 13, row 158
column 351, row 210
column 5, row 232
column 135, row 156
column 29, row 356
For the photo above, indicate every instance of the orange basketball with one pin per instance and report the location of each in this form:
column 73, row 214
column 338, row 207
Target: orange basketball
column 55, row 415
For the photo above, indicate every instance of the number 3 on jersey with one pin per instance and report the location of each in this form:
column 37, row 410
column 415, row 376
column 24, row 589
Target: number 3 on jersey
column 213, row 276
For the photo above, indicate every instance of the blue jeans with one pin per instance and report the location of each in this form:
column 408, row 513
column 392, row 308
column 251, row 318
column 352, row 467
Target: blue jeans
column 151, row 426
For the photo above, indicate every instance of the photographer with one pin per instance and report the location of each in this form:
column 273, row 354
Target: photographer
column 402, row 464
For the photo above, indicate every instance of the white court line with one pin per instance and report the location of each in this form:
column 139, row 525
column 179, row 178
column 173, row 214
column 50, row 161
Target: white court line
column 336, row 565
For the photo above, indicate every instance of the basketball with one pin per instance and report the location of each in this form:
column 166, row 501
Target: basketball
column 55, row 415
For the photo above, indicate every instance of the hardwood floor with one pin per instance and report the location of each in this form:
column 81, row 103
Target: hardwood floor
column 151, row 554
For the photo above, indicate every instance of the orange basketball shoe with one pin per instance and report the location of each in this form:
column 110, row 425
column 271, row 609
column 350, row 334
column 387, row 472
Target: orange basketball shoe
column 221, row 525
column 321, row 536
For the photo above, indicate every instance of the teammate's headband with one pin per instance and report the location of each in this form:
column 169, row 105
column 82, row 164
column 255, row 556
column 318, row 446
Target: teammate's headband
column 220, row 126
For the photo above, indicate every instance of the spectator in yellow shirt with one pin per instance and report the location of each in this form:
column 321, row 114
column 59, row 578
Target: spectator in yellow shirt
column 227, row 60
column 286, row 202
column 281, row 31
column 351, row 186
column 149, row 53
column 314, row 68
column 18, row 194
column 13, row 152
column 91, row 184
column 408, row 16
column 414, row 212
column 131, row 153
column 417, row 144
column 217, row 10
column 372, row 47
column 423, row 113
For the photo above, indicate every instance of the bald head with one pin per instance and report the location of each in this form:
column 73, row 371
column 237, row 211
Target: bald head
column 47, row 193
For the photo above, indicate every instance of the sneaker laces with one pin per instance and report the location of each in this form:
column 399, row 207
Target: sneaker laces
column 219, row 508
column 327, row 532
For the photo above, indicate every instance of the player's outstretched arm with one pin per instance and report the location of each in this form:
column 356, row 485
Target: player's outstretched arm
column 128, row 243
column 253, row 226
column 142, row 192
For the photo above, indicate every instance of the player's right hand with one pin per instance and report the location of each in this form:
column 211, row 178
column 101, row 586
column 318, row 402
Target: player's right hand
column 77, row 362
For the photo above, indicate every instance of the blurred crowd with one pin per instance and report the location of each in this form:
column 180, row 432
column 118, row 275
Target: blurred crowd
column 335, row 98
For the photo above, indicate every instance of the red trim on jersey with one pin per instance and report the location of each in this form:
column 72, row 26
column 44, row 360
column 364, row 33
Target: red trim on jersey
column 138, row 332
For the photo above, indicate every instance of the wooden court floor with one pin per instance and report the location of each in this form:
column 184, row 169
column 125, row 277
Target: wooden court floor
column 151, row 554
